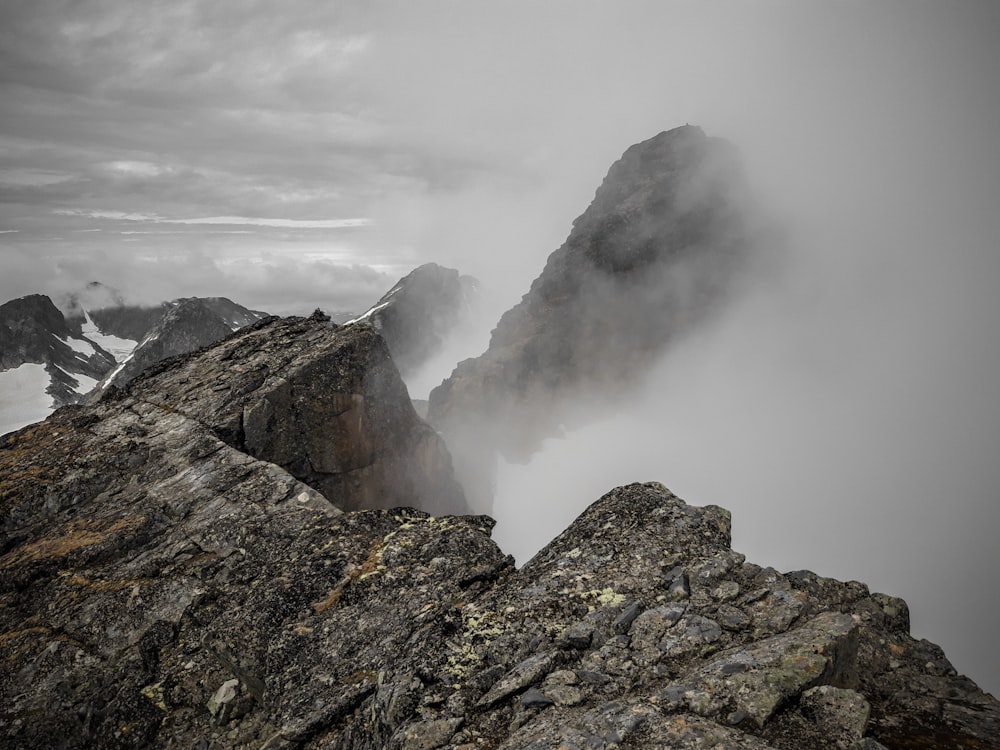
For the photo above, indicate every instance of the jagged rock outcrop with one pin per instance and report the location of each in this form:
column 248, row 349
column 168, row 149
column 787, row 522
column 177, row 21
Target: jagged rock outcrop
column 325, row 404
column 420, row 311
column 652, row 255
column 34, row 332
column 214, row 609
column 184, row 325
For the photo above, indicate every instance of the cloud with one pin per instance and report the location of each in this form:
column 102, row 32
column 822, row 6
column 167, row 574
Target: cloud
column 282, row 223
column 211, row 220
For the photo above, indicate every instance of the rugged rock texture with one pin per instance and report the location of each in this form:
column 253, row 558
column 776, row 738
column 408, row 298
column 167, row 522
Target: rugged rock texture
column 219, row 607
column 325, row 404
column 652, row 255
column 183, row 326
column 34, row 331
column 420, row 311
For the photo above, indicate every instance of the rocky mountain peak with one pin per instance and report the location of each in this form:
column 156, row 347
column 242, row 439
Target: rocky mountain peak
column 184, row 325
column 420, row 311
column 33, row 312
column 652, row 255
column 325, row 403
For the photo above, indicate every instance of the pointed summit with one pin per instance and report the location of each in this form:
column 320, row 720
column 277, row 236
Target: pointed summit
column 649, row 259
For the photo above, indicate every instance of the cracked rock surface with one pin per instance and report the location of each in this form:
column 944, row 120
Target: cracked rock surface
column 247, row 613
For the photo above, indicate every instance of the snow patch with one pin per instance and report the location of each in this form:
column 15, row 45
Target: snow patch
column 85, row 384
column 23, row 399
column 80, row 346
column 121, row 366
column 117, row 347
column 371, row 312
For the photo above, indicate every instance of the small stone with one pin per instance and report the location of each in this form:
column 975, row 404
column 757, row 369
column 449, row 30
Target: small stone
column 223, row 696
column 732, row 618
column 577, row 636
column 562, row 677
column 679, row 587
column 535, row 697
column 673, row 697
column 737, row 717
column 624, row 621
column 842, row 714
column 564, row 695
column 527, row 672
column 726, row 591
column 426, row 735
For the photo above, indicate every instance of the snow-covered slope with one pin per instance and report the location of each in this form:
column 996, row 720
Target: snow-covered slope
column 118, row 347
column 23, row 396
column 43, row 361
column 48, row 360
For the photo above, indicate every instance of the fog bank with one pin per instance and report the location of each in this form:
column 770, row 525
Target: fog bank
column 846, row 409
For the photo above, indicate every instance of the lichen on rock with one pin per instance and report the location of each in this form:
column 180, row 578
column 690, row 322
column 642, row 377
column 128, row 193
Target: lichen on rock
column 217, row 620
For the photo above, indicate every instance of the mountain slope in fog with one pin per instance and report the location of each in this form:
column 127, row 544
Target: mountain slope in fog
column 420, row 312
column 654, row 253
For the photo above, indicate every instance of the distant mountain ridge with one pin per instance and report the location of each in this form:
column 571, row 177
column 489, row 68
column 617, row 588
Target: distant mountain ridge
column 49, row 359
column 187, row 324
column 43, row 362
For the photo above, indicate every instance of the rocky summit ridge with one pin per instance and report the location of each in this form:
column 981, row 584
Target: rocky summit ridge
column 252, row 616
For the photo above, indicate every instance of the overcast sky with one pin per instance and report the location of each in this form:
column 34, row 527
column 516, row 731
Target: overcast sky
column 308, row 153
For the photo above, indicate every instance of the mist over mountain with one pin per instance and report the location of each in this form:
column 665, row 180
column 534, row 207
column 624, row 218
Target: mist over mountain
column 653, row 256
column 257, row 540
column 419, row 314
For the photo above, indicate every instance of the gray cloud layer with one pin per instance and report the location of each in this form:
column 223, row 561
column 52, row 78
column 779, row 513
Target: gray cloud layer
column 861, row 384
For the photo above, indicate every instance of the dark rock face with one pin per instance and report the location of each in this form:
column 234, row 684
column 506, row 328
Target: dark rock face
column 652, row 255
column 184, row 326
column 326, row 405
column 418, row 313
column 34, row 331
column 223, row 607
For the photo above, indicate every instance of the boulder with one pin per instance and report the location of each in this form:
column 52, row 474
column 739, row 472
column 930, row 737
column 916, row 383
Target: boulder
column 325, row 403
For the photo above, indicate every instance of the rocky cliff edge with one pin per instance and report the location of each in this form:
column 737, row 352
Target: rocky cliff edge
column 249, row 616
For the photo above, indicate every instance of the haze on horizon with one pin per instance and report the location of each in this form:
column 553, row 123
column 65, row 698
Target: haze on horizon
column 306, row 155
